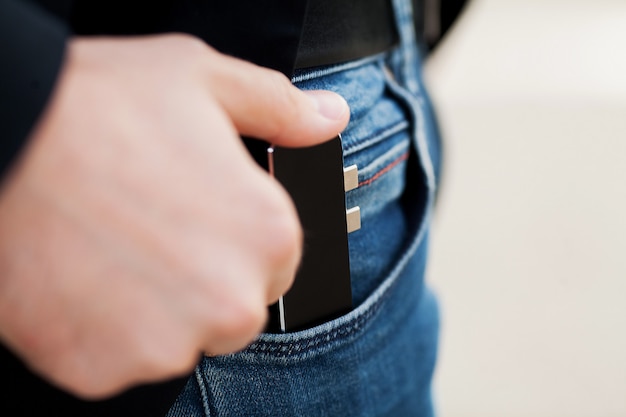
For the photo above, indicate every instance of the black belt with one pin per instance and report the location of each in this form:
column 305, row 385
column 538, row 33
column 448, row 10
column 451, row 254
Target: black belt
column 286, row 34
column 280, row 34
column 336, row 31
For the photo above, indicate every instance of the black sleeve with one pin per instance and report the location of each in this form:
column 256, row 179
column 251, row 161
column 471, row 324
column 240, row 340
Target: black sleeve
column 32, row 45
column 25, row 394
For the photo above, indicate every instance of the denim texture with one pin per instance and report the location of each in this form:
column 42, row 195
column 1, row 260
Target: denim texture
column 379, row 359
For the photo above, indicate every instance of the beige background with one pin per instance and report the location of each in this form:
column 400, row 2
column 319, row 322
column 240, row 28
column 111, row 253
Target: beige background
column 529, row 241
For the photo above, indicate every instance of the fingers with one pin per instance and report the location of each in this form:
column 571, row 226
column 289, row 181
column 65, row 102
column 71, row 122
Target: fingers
column 283, row 250
column 235, row 326
column 139, row 225
column 263, row 103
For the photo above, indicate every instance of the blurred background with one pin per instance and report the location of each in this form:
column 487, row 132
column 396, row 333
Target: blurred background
column 529, row 240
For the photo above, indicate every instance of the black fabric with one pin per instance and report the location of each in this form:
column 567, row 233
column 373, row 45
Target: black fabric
column 31, row 46
column 24, row 394
column 448, row 12
column 240, row 28
column 264, row 32
column 338, row 31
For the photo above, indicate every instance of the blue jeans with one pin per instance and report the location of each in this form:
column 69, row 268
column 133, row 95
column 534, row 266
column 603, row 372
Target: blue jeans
column 378, row 360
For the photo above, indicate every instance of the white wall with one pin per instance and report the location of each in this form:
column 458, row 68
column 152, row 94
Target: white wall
column 529, row 242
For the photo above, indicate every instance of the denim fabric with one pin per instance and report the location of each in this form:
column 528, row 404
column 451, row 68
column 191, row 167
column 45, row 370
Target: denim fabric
column 379, row 359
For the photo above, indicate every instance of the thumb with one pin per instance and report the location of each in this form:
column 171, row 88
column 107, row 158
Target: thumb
column 262, row 103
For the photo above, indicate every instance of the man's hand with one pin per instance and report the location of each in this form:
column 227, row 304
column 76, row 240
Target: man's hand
column 136, row 232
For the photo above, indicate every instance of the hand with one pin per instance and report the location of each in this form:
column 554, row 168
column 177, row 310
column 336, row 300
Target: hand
column 136, row 232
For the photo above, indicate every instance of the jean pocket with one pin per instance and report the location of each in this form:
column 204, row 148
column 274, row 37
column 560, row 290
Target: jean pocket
column 376, row 360
column 386, row 140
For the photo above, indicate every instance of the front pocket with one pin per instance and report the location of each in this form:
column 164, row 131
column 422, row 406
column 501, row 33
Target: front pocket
column 394, row 198
column 378, row 359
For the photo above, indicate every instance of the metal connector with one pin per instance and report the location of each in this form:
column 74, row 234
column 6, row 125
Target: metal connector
column 350, row 178
column 353, row 219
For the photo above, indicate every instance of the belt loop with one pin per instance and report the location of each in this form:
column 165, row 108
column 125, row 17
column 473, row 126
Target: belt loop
column 403, row 12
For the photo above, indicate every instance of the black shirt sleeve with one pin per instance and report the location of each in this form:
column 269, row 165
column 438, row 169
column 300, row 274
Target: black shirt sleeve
column 32, row 46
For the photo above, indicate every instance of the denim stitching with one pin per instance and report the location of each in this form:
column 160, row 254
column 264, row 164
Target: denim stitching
column 385, row 169
column 403, row 12
column 379, row 136
column 286, row 349
column 309, row 74
column 414, row 105
column 383, row 159
column 203, row 393
column 416, row 111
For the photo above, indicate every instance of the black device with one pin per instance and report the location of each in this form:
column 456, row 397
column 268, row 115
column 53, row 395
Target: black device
column 317, row 182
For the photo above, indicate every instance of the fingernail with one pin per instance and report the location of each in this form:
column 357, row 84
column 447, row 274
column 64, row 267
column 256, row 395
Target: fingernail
column 330, row 105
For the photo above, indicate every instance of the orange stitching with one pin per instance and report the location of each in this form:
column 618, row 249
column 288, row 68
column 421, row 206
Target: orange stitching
column 386, row 169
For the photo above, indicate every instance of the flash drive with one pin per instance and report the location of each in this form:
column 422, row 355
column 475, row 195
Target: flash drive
column 316, row 180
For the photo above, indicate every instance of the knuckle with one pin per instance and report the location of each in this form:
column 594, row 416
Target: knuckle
column 286, row 242
column 189, row 43
column 279, row 235
column 84, row 385
column 66, row 367
column 171, row 362
column 278, row 80
column 244, row 322
column 190, row 49
column 284, row 234
column 284, row 101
